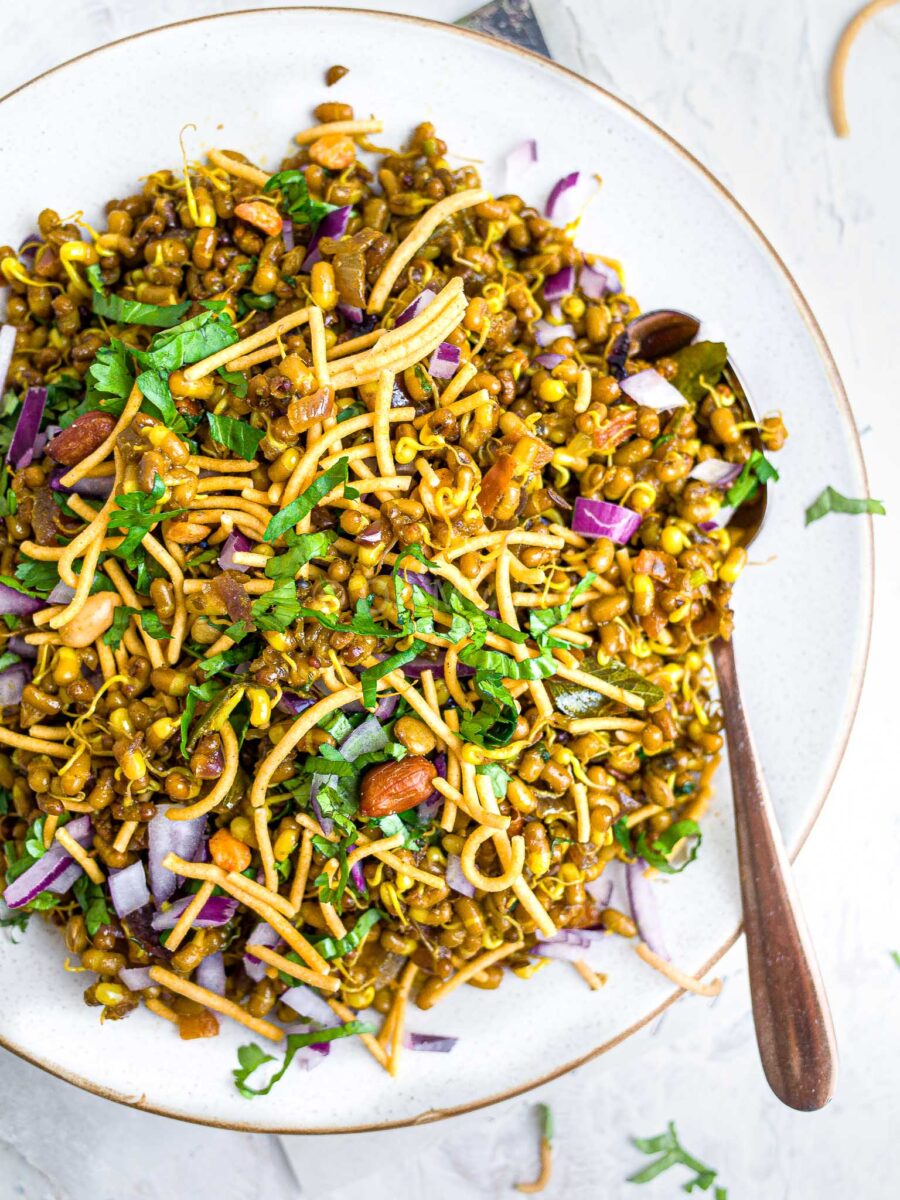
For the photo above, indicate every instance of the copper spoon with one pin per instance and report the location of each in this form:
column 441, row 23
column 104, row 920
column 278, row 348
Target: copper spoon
column 794, row 1031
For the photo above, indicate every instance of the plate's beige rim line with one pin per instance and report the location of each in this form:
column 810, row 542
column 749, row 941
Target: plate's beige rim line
column 856, row 681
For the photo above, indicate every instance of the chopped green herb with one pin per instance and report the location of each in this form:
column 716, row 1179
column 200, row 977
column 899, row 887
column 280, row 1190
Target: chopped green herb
column 656, row 853
column 135, row 513
column 662, row 440
column 109, row 379
column 152, row 625
column 120, row 622
column 92, row 903
column 494, row 723
column 296, row 199
column 506, row 667
column 277, row 609
column 301, row 548
column 307, row 501
column 132, row 312
column 895, row 955
column 699, row 364
column 831, row 501
column 356, row 409
column 756, row 470
column 370, row 676
column 672, row 1154
column 573, row 700
column 206, row 692
column 221, row 662
column 251, row 1057
column 423, row 380
column 236, row 380
column 542, row 620
column 500, row 781
column 238, row 436
column 330, row 947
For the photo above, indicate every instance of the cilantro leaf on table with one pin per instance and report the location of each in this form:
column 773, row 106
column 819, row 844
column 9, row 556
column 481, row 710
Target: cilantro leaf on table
column 831, row 501
column 296, row 199
column 672, row 1153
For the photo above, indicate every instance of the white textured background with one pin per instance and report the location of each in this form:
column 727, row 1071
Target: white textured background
column 742, row 85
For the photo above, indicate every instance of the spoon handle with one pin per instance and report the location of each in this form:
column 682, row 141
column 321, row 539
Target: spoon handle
column 790, row 1009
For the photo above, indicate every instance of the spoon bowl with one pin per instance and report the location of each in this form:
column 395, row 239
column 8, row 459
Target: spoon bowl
column 793, row 1024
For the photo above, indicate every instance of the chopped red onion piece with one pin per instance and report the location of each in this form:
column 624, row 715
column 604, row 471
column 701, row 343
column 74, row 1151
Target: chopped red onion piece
column 650, row 390
column 562, row 284
column 720, row 520
column 290, row 702
column 559, row 189
column 445, row 361
column 435, row 1043
column 453, row 873
column 287, row 233
column 598, row 280
column 644, row 909
column 354, row 315
column 413, row 309
column 95, row 489
column 217, row 911
column 12, row 684
column 332, row 225
column 62, row 593
column 565, row 951
column 307, row 1003
column 261, row 935
column 138, row 978
column 371, row 535
column 357, row 878
column 309, row 1057
column 600, row 891
column 549, row 361
column 234, row 541
column 18, row 645
column 601, row 518
column 54, row 871
column 386, row 707
column 716, row 472
column 183, row 838
column 22, row 447
column 7, row 346
column 128, row 889
column 17, row 604
column 546, row 334
column 519, row 159
column 210, row 973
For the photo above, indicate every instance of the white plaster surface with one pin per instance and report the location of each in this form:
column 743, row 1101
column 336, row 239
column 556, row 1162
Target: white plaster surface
column 742, row 85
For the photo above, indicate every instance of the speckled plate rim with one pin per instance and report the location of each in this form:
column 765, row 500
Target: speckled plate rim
column 855, row 682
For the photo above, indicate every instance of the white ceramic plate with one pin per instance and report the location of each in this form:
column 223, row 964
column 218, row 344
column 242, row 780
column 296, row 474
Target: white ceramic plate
column 87, row 130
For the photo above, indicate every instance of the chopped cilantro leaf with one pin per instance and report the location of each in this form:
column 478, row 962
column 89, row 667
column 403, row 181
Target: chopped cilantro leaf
column 831, row 501
column 238, row 436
